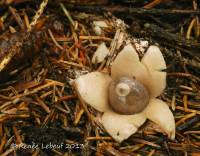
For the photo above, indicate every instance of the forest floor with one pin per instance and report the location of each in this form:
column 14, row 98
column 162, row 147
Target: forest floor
column 51, row 43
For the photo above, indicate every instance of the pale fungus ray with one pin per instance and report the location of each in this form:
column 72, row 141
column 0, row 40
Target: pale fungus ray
column 98, row 26
column 155, row 63
column 127, row 63
column 159, row 112
column 120, row 127
column 93, row 88
column 130, row 50
column 100, row 54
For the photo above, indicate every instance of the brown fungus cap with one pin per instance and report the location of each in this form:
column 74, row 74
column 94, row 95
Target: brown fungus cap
column 127, row 96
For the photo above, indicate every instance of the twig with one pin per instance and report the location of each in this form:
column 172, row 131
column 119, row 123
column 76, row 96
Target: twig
column 38, row 14
column 152, row 4
column 67, row 14
column 95, row 38
column 90, row 116
column 113, row 48
column 128, row 10
column 17, row 18
column 54, row 40
column 99, row 138
column 188, row 35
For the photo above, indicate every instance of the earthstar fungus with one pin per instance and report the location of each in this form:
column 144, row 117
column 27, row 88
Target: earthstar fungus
column 128, row 97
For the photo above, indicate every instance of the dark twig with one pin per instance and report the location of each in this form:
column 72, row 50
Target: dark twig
column 128, row 10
